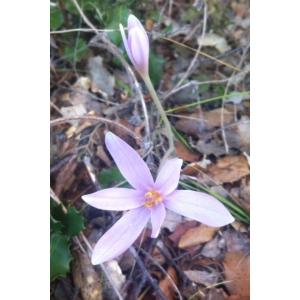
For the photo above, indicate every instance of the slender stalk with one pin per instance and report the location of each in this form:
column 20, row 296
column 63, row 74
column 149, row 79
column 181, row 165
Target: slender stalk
column 161, row 111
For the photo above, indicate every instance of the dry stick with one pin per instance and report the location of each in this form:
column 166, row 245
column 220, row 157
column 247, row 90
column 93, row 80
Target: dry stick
column 147, row 274
column 129, row 70
column 223, row 99
column 96, row 118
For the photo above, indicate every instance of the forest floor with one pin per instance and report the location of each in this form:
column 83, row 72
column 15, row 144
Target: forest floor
column 199, row 65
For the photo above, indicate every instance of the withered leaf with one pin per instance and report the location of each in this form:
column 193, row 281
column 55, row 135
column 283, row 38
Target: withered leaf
column 237, row 270
column 196, row 236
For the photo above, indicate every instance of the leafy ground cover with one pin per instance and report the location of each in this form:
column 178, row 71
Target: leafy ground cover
column 199, row 65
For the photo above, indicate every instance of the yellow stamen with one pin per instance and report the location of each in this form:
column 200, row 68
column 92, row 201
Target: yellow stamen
column 153, row 197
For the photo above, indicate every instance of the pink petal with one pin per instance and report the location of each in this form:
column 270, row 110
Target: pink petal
column 121, row 236
column 168, row 177
column 198, row 206
column 125, row 41
column 115, row 199
column 137, row 42
column 158, row 214
column 131, row 165
column 133, row 21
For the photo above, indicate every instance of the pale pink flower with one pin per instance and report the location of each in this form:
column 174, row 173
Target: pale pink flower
column 137, row 45
column 149, row 199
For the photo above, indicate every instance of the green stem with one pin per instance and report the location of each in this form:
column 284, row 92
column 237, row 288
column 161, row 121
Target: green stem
column 160, row 110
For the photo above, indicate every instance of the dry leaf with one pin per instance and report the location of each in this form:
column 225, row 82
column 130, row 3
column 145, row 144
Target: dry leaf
column 214, row 40
column 237, row 269
column 64, row 175
column 73, row 111
column 236, row 241
column 104, row 81
column 85, row 277
column 204, row 277
column 213, row 248
column 211, row 119
column 180, row 229
column 185, row 153
column 227, row 169
column 158, row 257
column 192, row 169
column 196, row 236
column 245, row 190
column 83, row 82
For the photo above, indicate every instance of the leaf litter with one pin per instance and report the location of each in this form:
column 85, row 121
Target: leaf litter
column 203, row 262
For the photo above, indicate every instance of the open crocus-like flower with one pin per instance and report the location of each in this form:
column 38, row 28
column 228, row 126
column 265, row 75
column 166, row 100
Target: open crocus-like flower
column 148, row 200
column 137, row 45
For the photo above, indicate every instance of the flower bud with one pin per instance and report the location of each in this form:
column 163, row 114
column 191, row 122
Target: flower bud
column 137, row 44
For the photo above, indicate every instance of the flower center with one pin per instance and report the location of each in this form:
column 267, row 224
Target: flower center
column 152, row 198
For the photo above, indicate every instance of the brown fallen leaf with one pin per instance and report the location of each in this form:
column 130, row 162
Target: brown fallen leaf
column 158, row 257
column 196, row 236
column 192, row 169
column 185, row 153
column 180, row 229
column 237, row 270
column 65, row 173
column 227, row 169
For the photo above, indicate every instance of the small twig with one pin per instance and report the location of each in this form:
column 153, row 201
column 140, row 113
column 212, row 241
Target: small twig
column 147, row 274
column 52, row 104
column 96, row 118
column 57, row 200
